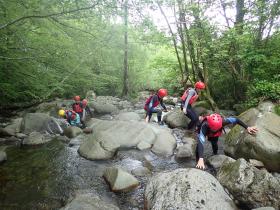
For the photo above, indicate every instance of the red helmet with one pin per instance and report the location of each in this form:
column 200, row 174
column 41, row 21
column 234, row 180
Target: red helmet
column 77, row 98
column 84, row 102
column 162, row 92
column 199, row 85
column 215, row 122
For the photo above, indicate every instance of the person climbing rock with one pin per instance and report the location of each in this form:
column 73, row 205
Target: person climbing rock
column 81, row 108
column 151, row 105
column 71, row 116
column 211, row 126
column 188, row 98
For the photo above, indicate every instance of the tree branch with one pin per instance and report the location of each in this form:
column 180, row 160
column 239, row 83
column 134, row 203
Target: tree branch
column 46, row 16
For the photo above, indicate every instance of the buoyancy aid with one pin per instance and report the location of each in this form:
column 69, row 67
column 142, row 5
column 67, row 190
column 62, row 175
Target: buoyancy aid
column 78, row 107
column 193, row 98
column 149, row 100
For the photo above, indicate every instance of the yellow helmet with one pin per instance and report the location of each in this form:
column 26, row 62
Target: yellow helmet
column 61, row 113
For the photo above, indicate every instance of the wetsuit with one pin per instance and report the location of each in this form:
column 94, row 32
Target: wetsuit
column 213, row 137
column 189, row 97
column 151, row 106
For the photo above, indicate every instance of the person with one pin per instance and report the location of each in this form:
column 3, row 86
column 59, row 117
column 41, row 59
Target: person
column 151, row 105
column 211, row 126
column 188, row 98
column 71, row 116
column 81, row 108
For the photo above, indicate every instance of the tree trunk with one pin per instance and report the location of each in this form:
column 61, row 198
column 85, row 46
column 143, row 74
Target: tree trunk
column 125, row 72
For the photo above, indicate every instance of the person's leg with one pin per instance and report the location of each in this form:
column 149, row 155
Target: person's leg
column 193, row 117
column 214, row 143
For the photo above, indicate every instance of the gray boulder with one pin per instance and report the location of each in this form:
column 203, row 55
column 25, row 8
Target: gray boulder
column 103, row 108
column 186, row 189
column 89, row 201
column 176, row 119
column 72, row 131
column 253, row 187
column 41, row 123
column 120, row 180
column 3, row 156
column 35, row 138
column 265, row 146
column 128, row 116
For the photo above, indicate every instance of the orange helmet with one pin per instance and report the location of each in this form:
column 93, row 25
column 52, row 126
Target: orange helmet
column 77, row 98
column 162, row 92
column 199, row 85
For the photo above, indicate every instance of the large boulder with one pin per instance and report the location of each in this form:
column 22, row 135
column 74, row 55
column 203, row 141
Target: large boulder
column 72, row 131
column 89, row 201
column 36, row 138
column 165, row 143
column 120, row 180
column 249, row 185
column 40, row 122
column 176, row 119
column 264, row 146
column 186, row 189
column 103, row 108
column 12, row 128
column 128, row 116
column 109, row 136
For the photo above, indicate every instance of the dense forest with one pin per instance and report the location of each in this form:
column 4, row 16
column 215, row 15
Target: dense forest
column 62, row 48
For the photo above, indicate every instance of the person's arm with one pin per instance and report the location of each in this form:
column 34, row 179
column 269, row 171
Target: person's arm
column 162, row 104
column 200, row 145
column 154, row 98
column 191, row 93
column 235, row 120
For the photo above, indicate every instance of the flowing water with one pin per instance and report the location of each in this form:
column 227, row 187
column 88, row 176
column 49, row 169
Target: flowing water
column 47, row 176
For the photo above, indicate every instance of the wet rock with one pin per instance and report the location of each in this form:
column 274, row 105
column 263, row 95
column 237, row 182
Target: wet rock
column 165, row 143
column 187, row 150
column 35, row 138
column 253, row 187
column 265, row 208
column 4, row 132
column 21, row 135
column 128, row 116
column 141, row 171
column 72, row 131
column 39, row 122
column 109, row 136
column 216, row 161
column 186, row 189
column 176, row 119
column 89, row 201
column 103, row 108
column 264, row 146
column 256, row 163
column 120, row 180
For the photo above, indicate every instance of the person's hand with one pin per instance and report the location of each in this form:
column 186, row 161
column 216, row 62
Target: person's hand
column 252, row 130
column 200, row 164
column 185, row 110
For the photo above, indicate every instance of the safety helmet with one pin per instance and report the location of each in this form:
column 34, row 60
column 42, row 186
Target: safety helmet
column 162, row 93
column 84, row 102
column 61, row 113
column 77, row 98
column 215, row 122
column 199, row 85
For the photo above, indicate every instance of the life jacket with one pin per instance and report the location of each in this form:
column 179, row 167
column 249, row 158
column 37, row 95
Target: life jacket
column 70, row 115
column 78, row 107
column 148, row 102
column 193, row 98
column 209, row 132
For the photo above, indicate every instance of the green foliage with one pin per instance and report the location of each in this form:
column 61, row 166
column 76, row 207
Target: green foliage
column 263, row 90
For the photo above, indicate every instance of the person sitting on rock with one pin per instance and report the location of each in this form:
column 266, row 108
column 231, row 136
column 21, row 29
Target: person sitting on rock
column 151, row 105
column 81, row 108
column 188, row 98
column 71, row 116
column 212, row 126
